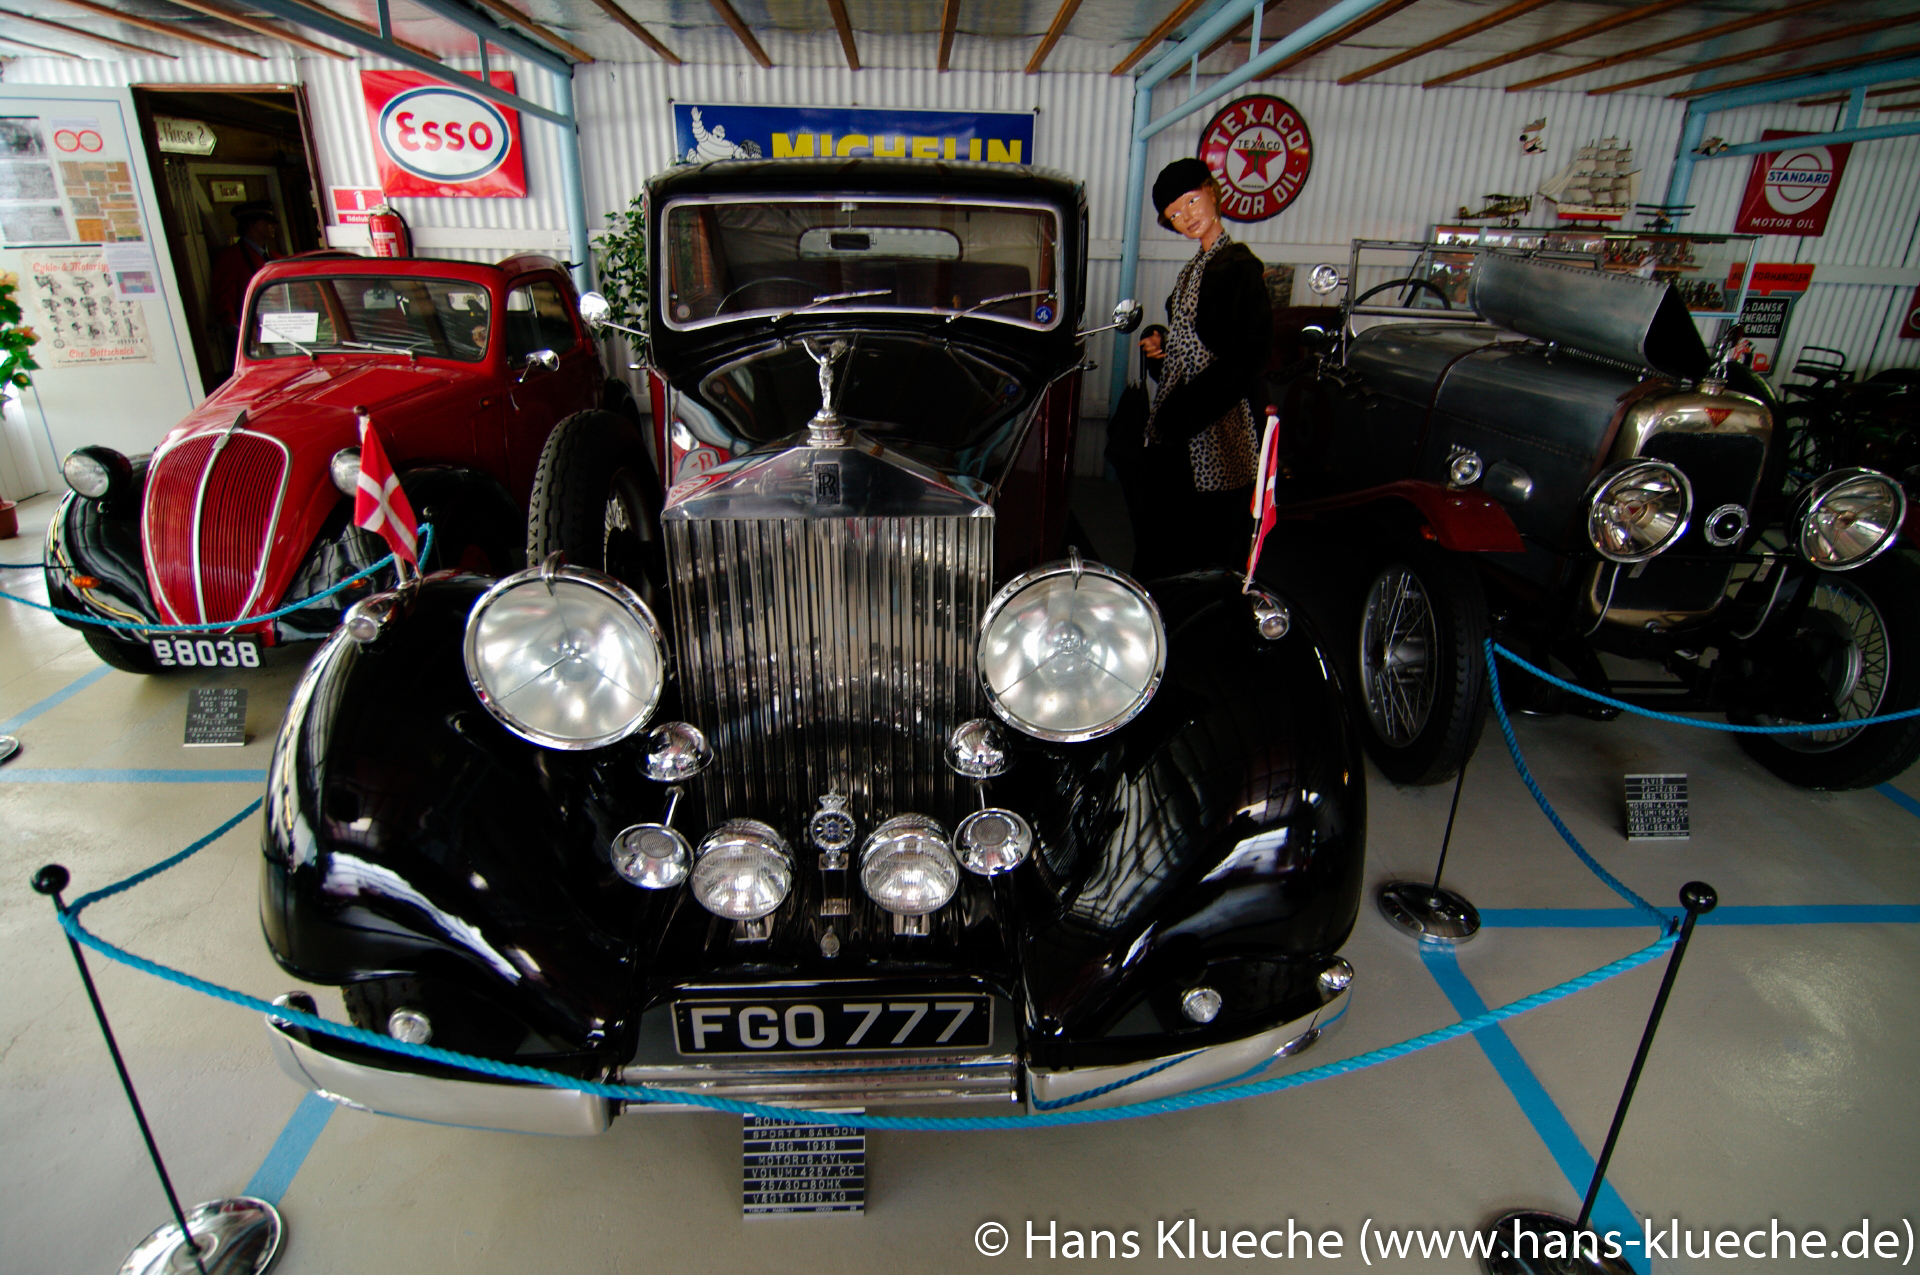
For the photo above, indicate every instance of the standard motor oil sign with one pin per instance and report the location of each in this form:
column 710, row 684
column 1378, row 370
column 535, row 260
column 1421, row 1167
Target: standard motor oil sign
column 438, row 140
column 1790, row 192
column 1261, row 151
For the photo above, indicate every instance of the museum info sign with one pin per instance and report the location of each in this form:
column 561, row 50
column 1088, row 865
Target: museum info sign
column 708, row 131
column 1791, row 192
column 438, row 140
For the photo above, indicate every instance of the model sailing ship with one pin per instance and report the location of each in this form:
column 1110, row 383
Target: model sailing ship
column 1599, row 185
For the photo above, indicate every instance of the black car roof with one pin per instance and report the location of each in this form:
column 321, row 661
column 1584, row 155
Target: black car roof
column 871, row 176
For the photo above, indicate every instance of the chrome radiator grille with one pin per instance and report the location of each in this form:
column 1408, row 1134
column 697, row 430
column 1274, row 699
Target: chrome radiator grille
column 829, row 654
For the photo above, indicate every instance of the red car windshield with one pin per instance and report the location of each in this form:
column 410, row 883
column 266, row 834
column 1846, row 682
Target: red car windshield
column 431, row 318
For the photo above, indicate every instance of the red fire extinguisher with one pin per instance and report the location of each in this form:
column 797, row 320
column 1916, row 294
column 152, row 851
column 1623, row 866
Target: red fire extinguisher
column 389, row 231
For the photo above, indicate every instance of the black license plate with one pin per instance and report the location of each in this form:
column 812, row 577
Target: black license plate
column 233, row 650
column 829, row 1024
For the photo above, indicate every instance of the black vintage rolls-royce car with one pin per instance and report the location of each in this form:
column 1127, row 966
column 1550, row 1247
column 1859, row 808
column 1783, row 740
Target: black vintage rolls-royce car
column 825, row 771
column 1565, row 465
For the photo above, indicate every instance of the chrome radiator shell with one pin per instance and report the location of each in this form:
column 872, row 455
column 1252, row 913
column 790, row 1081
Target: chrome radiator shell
column 826, row 602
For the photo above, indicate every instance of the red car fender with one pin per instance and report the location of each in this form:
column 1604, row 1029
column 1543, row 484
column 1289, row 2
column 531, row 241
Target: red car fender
column 1463, row 521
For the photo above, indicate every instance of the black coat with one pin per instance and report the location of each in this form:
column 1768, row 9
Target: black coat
column 1235, row 322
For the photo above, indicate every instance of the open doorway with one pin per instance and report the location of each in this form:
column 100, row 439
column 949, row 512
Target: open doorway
column 218, row 150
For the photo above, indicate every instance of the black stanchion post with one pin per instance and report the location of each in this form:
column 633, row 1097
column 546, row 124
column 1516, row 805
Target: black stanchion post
column 1433, row 913
column 1531, row 1242
column 247, row 1229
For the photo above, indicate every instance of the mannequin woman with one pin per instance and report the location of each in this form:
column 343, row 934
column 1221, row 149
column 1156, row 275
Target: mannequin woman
column 1201, row 431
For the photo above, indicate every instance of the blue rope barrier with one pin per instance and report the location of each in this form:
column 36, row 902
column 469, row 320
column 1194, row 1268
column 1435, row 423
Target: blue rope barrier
column 426, row 547
column 1676, row 719
column 1662, row 919
column 1204, row 1097
column 18, row 566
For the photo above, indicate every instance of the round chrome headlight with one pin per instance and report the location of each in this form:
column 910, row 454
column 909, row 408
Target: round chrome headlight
column 1848, row 517
column 93, row 472
column 1637, row 510
column 992, row 841
column 652, row 856
column 742, row 871
column 907, row 868
column 344, row 469
column 1071, row 651
column 565, row 658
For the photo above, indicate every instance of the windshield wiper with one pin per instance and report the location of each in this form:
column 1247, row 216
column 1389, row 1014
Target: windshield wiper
column 991, row 301
column 834, row 296
column 411, row 351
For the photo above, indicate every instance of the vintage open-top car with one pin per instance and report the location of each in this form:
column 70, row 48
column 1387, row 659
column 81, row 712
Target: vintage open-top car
column 844, row 779
column 247, row 504
column 1566, row 465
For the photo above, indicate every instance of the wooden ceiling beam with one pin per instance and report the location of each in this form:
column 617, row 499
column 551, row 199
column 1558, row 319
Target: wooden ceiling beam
column 640, row 33
column 258, row 27
column 1494, row 19
column 1812, row 68
column 1181, row 12
column 1055, row 29
column 949, row 23
column 88, row 35
column 1620, row 19
column 1678, row 42
column 742, row 32
column 1764, row 51
column 844, row 25
column 1899, row 106
column 41, row 48
column 1341, row 36
column 173, row 29
column 528, row 25
column 1838, row 98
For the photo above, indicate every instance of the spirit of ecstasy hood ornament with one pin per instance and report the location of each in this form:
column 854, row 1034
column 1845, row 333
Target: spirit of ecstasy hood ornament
column 825, row 429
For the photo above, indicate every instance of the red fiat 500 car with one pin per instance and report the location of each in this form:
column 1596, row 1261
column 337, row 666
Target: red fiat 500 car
column 465, row 369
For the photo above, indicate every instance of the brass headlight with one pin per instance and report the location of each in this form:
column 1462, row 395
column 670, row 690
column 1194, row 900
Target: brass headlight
column 1638, row 510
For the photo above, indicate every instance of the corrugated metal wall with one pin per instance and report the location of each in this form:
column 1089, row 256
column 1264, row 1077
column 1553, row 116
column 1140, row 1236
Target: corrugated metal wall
column 1389, row 162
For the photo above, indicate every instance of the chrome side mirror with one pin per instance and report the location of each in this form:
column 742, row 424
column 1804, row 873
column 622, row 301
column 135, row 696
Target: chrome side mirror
column 539, row 360
column 1323, row 279
column 1126, row 317
column 595, row 310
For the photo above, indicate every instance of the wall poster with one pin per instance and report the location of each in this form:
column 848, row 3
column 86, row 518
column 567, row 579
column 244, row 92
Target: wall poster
column 87, row 318
column 1261, row 151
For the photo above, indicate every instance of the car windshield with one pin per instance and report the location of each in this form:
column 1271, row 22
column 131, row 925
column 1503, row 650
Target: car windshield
column 430, row 318
column 728, row 259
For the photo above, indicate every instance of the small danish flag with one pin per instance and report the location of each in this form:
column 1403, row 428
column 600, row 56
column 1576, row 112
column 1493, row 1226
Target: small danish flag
column 379, row 504
column 1263, row 493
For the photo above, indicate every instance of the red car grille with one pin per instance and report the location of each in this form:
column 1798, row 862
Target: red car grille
column 237, row 516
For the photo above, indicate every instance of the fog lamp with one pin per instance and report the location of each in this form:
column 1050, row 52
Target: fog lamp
column 743, row 870
column 676, row 752
column 344, row 469
column 1201, row 1004
column 96, row 472
column 1637, row 510
column 992, row 841
column 976, row 750
column 652, row 856
column 1071, row 651
column 565, row 657
column 907, row 868
column 1848, row 517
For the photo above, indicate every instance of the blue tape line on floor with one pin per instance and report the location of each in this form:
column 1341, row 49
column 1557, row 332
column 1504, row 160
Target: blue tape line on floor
column 54, row 700
column 289, row 1151
column 1610, row 1212
column 1898, row 798
column 1632, row 918
column 132, row 776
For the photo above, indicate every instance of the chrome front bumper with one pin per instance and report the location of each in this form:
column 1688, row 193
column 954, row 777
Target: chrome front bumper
column 857, row 1082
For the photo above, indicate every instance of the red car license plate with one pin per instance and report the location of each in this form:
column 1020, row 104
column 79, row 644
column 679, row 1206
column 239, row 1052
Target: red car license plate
column 827, row 1024
column 232, row 650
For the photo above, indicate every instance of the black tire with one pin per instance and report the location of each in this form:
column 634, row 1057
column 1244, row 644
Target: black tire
column 1421, row 680
column 128, row 657
column 596, row 499
column 1865, row 626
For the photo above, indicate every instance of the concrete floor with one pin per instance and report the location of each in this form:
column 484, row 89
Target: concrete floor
column 1780, row 1088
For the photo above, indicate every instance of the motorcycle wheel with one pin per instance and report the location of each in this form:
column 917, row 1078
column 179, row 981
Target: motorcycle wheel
column 1422, row 680
column 595, row 499
column 1866, row 624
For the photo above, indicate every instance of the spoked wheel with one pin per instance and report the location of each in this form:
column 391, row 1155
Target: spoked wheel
column 594, row 500
column 1861, row 630
column 1422, row 678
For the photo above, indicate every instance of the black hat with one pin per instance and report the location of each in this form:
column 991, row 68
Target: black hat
column 246, row 214
column 1175, row 180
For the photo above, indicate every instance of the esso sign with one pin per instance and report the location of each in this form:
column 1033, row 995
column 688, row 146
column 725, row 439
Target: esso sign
column 435, row 139
column 445, row 136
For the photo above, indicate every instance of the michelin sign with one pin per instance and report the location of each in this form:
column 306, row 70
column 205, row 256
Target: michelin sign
column 707, row 132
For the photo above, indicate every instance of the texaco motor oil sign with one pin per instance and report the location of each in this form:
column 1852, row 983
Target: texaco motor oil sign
column 1261, row 151
column 1791, row 192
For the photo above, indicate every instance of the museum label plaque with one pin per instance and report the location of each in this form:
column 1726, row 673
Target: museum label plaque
column 801, row 1168
column 216, row 717
column 1657, row 808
